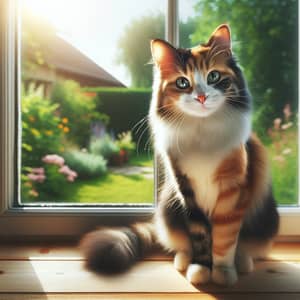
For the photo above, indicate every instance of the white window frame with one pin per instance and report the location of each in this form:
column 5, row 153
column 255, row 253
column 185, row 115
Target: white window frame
column 64, row 222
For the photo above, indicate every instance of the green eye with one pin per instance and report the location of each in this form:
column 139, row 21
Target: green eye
column 213, row 77
column 182, row 83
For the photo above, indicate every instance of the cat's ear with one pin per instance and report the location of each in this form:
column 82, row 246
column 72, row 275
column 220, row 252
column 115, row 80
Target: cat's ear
column 221, row 37
column 164, row 56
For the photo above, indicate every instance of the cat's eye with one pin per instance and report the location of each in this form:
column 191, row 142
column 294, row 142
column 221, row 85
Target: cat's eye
column 213, row 77
column 182, row 83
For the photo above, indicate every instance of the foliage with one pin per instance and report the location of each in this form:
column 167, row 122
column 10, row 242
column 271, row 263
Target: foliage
column 134, row 45
column 111, row 189
column 283, row 151
column 78, row 111
column 87, row 165
column 40, row 128
column 125, row 142
column 265, row 35
column 104, row 146
column 48, row 180
column 128, row 110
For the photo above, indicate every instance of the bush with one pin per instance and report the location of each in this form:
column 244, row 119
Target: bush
column 87, row 165
column 47, row 180
column 127, row 110
column 125, row 142
column 104, row 146
column 40, row 129
column 78, row 111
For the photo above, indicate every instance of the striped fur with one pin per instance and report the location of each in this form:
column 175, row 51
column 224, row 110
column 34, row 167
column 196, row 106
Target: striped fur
column 216, row 189
column 215, row 204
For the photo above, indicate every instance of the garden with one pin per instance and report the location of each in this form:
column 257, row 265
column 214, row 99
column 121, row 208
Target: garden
column 70, row 153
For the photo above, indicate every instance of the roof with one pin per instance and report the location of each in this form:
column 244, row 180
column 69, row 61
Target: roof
column 59, row 53
column 64, row 56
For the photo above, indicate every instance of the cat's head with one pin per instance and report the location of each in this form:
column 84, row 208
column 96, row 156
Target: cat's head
column 199, row 81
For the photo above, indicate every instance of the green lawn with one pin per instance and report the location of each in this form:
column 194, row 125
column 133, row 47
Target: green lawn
column 283, row 155
column 142, row 160
column 110, row 188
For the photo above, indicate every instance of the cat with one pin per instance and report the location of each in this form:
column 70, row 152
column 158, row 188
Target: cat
column 215, row 209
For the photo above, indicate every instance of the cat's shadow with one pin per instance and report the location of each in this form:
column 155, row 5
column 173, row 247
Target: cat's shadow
column 269, row 278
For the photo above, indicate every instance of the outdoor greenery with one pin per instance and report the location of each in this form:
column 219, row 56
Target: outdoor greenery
column 137, row 60
column 65, row 160
column 87, row 165
column 127, row 110
column 79, row 109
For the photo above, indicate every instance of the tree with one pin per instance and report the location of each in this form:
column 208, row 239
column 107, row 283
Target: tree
column 265, row 39
column 134, row 46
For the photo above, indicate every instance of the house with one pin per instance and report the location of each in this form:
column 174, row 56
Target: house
column 46, row 58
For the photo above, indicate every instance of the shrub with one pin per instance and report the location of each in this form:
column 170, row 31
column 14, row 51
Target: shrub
column 40, row 129
column 127, row 110
column 104, row 146
column 47, row 180
column 125, row 142
column 78, row 110
column 87, row 165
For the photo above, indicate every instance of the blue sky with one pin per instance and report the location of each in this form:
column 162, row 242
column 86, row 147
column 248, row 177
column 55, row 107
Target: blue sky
column 94, row 26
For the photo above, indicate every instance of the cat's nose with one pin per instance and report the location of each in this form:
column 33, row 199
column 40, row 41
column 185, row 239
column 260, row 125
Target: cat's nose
column 201, row 98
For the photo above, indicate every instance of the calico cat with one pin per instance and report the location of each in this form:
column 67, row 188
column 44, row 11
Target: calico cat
column 215, row 210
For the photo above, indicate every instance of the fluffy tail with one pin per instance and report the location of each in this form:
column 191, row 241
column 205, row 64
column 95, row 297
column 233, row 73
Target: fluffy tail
column 112, row 250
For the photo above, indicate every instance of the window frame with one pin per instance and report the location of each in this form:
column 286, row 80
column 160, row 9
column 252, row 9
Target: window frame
column 66, row 222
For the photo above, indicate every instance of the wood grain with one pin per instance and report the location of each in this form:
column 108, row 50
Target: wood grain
column 71, row 276
column 280, row 251
column 150, row 296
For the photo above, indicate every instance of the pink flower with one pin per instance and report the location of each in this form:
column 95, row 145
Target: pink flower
column 71, row 175
column 64, row 170
column 277, row 123
column 37, row 177
column 70, row 178
column 53, row 159
column 38, row 170
column 287, row 111
column 287, row 126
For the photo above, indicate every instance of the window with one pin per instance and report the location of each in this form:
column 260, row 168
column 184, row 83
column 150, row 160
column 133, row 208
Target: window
column 181, row 25
column 85, row 94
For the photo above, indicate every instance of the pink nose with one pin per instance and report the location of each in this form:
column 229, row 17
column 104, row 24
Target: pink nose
column 201, row 98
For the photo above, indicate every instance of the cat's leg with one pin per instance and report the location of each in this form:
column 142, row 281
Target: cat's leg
column 226, row 224
column 199, row 271
column 172, row 231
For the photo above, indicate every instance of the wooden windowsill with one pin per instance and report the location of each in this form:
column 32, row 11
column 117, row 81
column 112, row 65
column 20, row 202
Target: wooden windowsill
column 58, row 272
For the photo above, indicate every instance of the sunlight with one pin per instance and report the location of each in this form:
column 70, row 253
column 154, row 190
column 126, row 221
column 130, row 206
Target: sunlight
column 63, row 15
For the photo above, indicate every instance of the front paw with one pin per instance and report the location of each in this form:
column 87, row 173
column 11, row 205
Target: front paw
column 224, row 275
column 181, row 261
column 198, row 274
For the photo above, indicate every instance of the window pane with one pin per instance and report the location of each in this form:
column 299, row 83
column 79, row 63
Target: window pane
column 86, row 88
column 265, row 40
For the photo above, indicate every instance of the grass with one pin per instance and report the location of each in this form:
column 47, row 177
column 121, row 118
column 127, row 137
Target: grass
column 112, row 188
column 109, row 189
column 285, row 167
column 141, row 160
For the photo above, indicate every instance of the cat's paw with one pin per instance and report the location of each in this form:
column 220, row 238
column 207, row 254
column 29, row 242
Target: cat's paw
column 198, row 274
column 181, row 261
column 224, row 275
column 244, row 263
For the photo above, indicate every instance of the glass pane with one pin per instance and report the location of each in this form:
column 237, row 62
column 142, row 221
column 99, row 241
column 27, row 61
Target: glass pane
column 265, row 41
column 86, row 89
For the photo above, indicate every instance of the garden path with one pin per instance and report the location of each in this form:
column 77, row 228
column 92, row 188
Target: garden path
column 146, row 172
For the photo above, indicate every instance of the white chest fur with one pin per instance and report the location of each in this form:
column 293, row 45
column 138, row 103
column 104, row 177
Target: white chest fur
column 200, row 171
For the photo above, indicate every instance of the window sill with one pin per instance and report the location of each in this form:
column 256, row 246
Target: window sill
column 58, row 271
